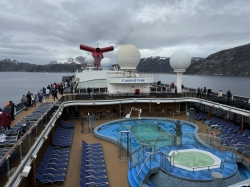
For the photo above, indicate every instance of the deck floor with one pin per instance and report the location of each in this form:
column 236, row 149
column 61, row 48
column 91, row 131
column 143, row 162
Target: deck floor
column 116, row 170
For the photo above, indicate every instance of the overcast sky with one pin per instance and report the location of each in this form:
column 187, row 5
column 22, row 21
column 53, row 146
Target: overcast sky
column 40, row 31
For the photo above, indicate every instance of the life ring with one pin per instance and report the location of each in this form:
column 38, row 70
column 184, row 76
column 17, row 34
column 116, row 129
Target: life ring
column 212, row 134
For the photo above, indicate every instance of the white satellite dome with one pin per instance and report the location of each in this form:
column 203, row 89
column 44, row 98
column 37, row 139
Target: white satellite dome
column 106, row 63
column 128, row 56
column 180, row 61
column 89, row 60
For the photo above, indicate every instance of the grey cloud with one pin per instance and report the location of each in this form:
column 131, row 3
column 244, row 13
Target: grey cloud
column 41, row 31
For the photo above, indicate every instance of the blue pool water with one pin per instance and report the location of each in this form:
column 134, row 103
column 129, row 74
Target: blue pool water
column 150, row 130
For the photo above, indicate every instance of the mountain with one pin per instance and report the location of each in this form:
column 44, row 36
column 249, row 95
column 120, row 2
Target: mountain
column 159, row 64
column 231, row 62
column 71, row 60
column 15, row 66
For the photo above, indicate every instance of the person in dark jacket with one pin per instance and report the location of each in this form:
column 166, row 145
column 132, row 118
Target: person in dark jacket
column 55, row 94
column 28, row 99
column 12, row 105
column 5, row 120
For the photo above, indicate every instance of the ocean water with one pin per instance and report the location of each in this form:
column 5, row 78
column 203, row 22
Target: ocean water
column 15, row 84
column 237, row 85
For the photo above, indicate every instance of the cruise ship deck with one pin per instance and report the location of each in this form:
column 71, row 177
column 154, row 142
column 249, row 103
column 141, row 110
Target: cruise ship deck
column 117, row 170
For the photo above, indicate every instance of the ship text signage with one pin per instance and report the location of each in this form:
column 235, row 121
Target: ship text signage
column 133, row 80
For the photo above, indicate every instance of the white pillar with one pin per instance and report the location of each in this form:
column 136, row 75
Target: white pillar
column 179, row 82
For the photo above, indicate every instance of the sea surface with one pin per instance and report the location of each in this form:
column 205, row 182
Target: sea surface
column 15, row 84
column 237, row 85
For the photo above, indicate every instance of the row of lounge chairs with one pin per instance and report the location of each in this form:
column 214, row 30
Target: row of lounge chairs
column 200, row 116
column 10, row 137
column 93, row 169
column 231, row 136
column 53, row 167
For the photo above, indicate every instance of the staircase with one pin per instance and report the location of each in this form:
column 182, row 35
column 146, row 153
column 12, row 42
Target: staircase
column 138, row 175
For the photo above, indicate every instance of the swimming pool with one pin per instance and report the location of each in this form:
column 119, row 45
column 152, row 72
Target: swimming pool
column 158, row 131
column 194, row 159
column 136, row 145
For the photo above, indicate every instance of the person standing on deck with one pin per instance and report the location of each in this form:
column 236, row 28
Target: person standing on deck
column 33, row 99
column 229, row 94
column 89, row 90
column 198, row 92
column 12, row 105
column 28, row 99
column 8, row 108
column 220, row 93
column 55, row 94
column 5, row 120
column 47, row 93
column 205, row 90
column 24, row 101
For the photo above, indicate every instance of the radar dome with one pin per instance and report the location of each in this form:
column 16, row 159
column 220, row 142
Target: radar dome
column 128, row 56
column 180, row 61
column 106, row 63
column 89, row 60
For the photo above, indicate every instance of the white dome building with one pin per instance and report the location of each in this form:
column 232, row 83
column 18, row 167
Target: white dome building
column 180, row 61
column 128, row 57
column 106, row 63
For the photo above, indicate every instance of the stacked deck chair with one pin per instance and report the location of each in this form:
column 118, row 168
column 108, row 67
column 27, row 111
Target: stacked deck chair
column 53, row 167
column 93, row 169
column 63, row 137
column 67, row 125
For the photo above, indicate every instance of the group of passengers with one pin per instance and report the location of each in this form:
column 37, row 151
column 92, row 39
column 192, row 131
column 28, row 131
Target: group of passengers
column 7, row 115
column 207, row 92
column 28, row 100
column 203, row 91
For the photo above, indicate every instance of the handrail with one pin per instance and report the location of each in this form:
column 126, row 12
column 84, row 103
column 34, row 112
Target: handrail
column 136, row 149
column 144, row 163
column 23, row 137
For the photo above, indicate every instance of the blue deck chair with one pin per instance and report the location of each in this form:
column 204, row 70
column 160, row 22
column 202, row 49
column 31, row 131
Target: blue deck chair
column 55, row 180
column 63, row 151
column 241, row 146
column 83, row 184
column 52, row 168
column 240, row 140
column 93, row 166
column 93, row 179
column 58, row 149
column 96, row 168
column 54, row 172
column 96, row 149
column 50, row 154
column 91, row 144
column 55, row 163
column 62, row 143
column 95, row 155
column 92, row 150
column 85, row 160
column 56, row 159
column 96, row 163
column 96, row 174
column 245, row 133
